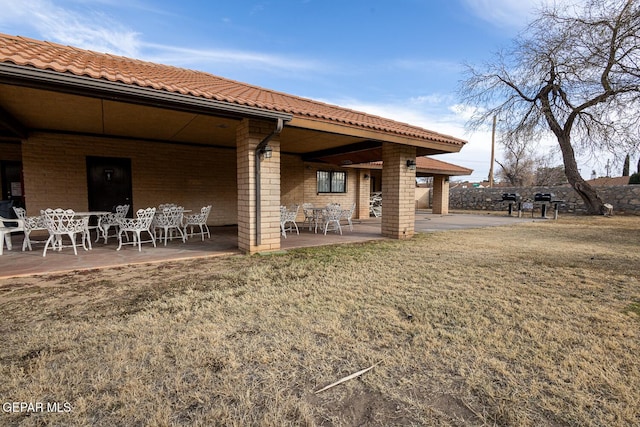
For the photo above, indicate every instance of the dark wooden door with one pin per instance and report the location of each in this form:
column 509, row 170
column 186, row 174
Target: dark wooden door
column 12, row 184
column 109, row 183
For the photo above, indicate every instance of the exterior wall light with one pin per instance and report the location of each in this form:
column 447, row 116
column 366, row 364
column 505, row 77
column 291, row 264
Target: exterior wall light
column 267, row 151
column 411, row 164
column 366, row 176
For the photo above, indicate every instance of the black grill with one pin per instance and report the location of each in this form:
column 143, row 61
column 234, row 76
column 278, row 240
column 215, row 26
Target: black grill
column 510, row 197
column 543, row 197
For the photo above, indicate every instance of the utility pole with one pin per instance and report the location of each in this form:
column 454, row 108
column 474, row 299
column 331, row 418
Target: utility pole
column 493, row 152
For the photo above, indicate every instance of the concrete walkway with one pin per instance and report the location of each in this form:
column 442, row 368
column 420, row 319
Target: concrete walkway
column 427, row 222
column 223, row 241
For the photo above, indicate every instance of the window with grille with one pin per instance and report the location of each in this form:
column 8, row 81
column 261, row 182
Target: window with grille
column 332, row 181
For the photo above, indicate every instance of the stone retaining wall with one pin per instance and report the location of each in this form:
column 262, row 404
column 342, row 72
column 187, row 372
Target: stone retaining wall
column 625, row 198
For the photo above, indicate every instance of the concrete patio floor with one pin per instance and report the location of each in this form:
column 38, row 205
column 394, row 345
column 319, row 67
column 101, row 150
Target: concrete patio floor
column 223, row 241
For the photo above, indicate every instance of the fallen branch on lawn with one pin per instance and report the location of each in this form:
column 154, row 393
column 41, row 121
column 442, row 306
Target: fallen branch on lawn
column 348, row 377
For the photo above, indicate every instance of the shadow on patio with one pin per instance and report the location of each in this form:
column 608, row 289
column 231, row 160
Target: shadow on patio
column 223, row 241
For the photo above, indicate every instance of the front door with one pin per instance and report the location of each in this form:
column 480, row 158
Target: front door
column 12, row 186
column 109, row 183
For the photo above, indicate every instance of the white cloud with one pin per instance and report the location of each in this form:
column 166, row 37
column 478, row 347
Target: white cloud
column 511, row 13
column 503, row 13
column 91, row 30
column 102, row 33
column 187, row 56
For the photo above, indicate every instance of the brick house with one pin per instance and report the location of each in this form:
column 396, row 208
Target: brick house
column 86, row 130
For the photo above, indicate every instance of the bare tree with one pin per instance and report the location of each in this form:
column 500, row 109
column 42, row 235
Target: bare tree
column 574, row 73
column 517, row 167
column 548, row 172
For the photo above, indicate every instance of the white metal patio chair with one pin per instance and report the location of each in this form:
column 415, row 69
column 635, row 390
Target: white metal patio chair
column 61, row 222
column 288, row 216
column 136, row 226
column 331, row 218
column 111, row 220
column 8, row 226
column 31, row 223
column 347, row 215
column 168, row 221
column 163, row 206
column 375, row 204
column 197, row 220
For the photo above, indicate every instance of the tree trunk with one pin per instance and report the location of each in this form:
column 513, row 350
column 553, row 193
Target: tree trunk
column 592, row 202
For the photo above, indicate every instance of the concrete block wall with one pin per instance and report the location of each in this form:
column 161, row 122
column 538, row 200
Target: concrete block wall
column 55, row 174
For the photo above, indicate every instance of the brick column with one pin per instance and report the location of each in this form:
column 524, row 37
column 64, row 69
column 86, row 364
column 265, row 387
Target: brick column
column 440, row 204
column 364, row 193
column 398, row 191
column 248, row 135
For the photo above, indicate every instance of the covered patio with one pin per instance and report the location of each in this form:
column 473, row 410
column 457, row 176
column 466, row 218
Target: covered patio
column 88, row 131
column 223, row 242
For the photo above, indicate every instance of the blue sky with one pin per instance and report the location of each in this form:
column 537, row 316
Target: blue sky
column 400, row 59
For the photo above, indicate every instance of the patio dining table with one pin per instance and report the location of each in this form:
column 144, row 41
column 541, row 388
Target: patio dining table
column 99, row 215
column 317, row 217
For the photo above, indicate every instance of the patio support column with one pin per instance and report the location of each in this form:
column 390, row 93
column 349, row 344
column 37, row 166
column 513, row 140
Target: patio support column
column 364, row 193
column 398, row 191
column 440, row 204
column 249, row 134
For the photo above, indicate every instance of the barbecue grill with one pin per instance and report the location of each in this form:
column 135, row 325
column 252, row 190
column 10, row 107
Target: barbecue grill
column 512, row 198
column 543, row 197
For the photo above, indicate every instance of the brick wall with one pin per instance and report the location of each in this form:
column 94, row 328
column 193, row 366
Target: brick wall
column 398, row 183
column 55, row 174
column 248, row 135
column 440, row 195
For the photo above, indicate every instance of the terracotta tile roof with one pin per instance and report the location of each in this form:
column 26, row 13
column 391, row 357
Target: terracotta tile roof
column 431, row 165
column 65, row 59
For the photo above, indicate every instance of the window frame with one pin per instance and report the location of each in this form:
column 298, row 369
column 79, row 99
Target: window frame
column 330, row 178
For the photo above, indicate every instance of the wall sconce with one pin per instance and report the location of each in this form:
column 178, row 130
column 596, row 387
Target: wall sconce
column 411, row 164
column 366, row 176
column 267, row 152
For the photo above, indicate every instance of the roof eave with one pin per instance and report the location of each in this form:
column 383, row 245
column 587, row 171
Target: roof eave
column 87, row 86
column 439, row 144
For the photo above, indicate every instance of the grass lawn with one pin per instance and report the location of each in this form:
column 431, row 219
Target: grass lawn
column 527, row 325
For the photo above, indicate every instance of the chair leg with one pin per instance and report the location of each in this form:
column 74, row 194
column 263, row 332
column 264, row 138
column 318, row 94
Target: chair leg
column 139, row 240
column 26, row 243
column 46, row 245
column 120, row 239
column 72, row 236
column 3, row 239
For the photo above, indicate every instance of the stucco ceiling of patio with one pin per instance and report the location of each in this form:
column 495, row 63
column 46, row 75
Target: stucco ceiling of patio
column 27, row 109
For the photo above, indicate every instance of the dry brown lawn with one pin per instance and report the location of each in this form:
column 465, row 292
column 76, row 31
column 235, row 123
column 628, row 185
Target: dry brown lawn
column 527, row 325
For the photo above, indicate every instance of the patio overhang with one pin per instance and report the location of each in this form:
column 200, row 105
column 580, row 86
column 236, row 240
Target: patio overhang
column 368, row 145
column 32, row 99
column 425, row 167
